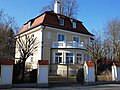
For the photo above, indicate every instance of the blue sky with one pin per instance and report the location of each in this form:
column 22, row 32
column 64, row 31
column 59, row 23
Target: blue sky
column 93, row 13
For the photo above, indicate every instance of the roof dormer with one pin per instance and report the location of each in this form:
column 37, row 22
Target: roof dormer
column 29, row 24
column 61, row 21
column 74, row 24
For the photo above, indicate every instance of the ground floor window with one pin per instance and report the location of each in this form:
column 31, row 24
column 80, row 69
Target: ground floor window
column 58, row 57
column 69, row 57
column 31, row 58
column 85, row 57
column 78, row 58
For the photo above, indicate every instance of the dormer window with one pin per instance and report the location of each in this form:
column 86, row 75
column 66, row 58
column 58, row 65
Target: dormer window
column 74, row 24
column 61, row 21
column 29, row 24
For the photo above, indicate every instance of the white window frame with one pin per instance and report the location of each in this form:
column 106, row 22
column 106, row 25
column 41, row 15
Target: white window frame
column 61, row 21
column 85, row 57
column 79, row 61
column 58, row 62
column 74, row 24
column 69, row 58
column 61, row 37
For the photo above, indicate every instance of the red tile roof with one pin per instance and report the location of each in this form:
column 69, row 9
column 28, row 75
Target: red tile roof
column 7, row 62
column 43, row 62
column 90, row 63
column 117, row 63
column 49, row 18
column 36, row 22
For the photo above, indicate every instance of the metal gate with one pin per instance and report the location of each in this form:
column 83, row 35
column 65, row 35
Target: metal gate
column 30, row 74
column 104, row 71
column 63, row 74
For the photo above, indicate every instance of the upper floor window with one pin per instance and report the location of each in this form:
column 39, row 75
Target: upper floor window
column 32, row 37
column 61, row 21
column 61, row 37
column 76, row 39
column 31, row 58
column 74, row 24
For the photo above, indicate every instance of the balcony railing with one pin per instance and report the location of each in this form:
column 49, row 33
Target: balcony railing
column 62, row 44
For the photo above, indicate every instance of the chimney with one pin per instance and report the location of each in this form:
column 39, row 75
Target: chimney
column 57, row 7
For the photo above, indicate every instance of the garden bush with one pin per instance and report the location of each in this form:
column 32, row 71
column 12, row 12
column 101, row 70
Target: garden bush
column 80, row 76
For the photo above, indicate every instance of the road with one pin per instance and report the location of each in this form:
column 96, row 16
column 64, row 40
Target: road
column 75, row 87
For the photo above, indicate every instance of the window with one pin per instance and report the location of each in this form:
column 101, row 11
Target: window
column 69, row 57
column 76, row 39
column 31, row 58
column 79, row 57
column 85, row 57
column 32, row 37
column 61, row 37
column 19, row 46
column 58, row 57
column 74, row 24
column 29, row 24
column 30, row 41
column 61, row 21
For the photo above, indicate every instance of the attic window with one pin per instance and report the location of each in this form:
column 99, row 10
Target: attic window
column 29, row 24
column 61, row 21
column 74, row 24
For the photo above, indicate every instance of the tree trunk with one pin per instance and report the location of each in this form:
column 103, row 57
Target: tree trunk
column 23, row 70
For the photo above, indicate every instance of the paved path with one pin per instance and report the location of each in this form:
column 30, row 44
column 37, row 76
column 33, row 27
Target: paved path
column 75, row 87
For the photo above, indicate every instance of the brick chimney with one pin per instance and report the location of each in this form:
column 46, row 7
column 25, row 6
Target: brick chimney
column 57, row 7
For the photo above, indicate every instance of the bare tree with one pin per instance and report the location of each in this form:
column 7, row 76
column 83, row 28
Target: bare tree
column 27, row 46
column 113, row 36
column 96, row 50
column 108, row 50
column 8, row 26
column 67, row 7
column 7, row 22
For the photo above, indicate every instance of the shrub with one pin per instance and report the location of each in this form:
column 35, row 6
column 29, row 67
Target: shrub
column 80, row 76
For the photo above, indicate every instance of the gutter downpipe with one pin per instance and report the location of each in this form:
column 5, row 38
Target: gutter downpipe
column 43, row 27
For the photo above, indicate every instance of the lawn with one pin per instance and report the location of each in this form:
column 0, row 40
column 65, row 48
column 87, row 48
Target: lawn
column 104, row 77
column 62, row 79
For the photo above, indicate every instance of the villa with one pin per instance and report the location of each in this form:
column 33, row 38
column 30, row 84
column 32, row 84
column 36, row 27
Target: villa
column 62, row 40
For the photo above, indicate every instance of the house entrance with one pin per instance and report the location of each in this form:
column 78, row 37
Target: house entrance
column 64, row 74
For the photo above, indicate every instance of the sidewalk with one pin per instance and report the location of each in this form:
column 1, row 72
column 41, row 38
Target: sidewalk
column 59, row 86
column 75, row 87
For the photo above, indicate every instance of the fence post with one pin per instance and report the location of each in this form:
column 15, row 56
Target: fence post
column 6, row 73
column 42, row 73
column 116, row 72
column 89, row 71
